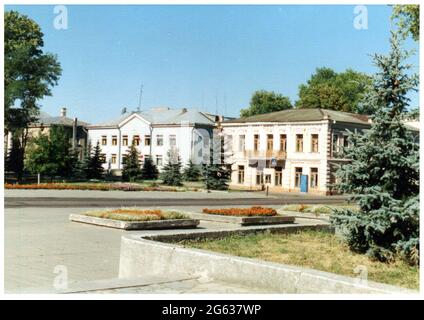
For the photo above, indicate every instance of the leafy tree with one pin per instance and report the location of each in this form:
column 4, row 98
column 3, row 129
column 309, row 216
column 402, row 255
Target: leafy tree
column 149, row 170
column 328, row 89
column 192, row 172
column 52, row 154
column 408, row 19
column 264, row 102
column 171, row 173
column 95, row 160
column 383, row 175
column 131, row 170
column 29, row 74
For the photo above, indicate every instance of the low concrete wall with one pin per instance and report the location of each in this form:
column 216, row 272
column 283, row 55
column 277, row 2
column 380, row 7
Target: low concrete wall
column 243, row 221
column 140, row 257
column 135, row 225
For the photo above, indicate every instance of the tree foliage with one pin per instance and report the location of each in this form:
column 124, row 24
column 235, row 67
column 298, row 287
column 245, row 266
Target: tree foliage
column 407, row 18
column 328, row 89
column 171, row 174
column 192, row 172
column 383, row 175
column 149, row 170
column 52, row 155
column 264, row 102
column 131, row 170
column 29, row 73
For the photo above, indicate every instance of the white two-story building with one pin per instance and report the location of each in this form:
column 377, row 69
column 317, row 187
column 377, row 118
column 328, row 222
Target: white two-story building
column 154, row 132
column 292, row 150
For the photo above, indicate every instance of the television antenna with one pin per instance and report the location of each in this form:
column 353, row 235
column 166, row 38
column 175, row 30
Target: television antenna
column 139, row 100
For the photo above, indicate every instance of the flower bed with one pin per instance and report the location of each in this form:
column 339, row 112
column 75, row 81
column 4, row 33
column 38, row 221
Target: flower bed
column 134, row 214
column 92, row 186
column 243, row 212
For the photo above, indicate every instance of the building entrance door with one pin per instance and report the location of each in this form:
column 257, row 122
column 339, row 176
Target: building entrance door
column 304, row 183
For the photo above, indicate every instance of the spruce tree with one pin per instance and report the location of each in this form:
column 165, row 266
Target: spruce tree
column 131, row 170
column 149, row 171
column 171, row 173
column 95, row 168
column 216, row 175
column 383, row 175
column 192, row 172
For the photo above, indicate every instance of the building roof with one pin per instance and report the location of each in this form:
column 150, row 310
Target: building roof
column 166, row 116
column 302, row 115
column 47, row 120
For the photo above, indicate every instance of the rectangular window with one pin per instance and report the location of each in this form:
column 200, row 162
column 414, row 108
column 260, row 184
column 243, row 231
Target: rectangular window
column 113, row 159
column 172, row 140
column 297, row 174
column 269, row 142
column 159, row 161
column 256, row 142
column 314, row 143
column 278, row 178
column 283, row 142
column 136, row 140
column 104, row 140
column 345, row 141
column 242, row 142
column 147, row 140
column 103, row 157
column 114, row 140
column 299, row 143
column 124, row 140
column 314, row 177
column 240, row 174
column 267, row 178
column 335, row 144
column 259, row 178
column 159, row 140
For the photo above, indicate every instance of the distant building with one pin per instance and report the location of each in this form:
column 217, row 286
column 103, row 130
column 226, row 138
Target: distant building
column 45, row 122
column 154, row 132
column 289, row 151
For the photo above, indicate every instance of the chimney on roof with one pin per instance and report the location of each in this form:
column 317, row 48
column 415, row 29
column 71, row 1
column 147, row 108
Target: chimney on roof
column 63, row 112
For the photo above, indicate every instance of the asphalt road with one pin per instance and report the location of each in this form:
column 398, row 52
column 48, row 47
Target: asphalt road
column 69, row 202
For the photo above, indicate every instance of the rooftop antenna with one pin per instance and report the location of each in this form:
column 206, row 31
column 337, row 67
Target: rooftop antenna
column 216, row 103
column 225, row 103
column 139, row 100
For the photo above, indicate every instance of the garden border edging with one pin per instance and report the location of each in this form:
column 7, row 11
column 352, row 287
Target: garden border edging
column 140, row 256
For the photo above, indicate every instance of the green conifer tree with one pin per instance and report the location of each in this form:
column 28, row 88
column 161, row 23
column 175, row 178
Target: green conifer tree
column 149, row 171
column 131, row 170
column 383, row 175
column 192, row 172
column 171, row 173
column 95, row 168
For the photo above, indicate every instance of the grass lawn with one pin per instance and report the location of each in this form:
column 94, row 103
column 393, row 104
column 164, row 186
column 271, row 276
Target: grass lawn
column 311, row 249
column 135, row 214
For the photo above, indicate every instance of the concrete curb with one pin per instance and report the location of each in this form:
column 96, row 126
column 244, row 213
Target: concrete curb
column 140, row 256
column 243, row 221
column 139, row 225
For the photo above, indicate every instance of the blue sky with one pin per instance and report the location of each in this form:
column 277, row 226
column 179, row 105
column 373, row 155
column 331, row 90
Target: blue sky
column 206, row 57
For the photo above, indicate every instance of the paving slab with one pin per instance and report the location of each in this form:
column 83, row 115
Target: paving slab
column 41, row 242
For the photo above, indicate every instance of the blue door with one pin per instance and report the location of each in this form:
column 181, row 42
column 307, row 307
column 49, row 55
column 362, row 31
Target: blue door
column 303, row 183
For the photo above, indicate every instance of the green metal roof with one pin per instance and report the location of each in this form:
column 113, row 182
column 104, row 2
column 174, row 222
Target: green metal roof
column 302, row 115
